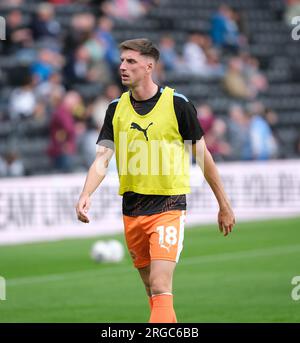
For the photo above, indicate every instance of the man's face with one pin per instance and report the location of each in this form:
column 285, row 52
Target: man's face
column 134, row 67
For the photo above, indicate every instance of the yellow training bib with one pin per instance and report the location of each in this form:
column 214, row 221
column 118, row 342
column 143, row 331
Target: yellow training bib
column 150, row 152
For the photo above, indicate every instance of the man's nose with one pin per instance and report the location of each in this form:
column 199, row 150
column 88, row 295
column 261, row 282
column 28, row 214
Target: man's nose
column 122, row 66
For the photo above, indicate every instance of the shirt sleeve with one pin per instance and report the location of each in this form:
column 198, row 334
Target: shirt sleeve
column 188, row 124
column 106, row 135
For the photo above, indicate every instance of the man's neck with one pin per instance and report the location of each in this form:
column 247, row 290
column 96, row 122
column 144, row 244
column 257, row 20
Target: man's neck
column 144, row 92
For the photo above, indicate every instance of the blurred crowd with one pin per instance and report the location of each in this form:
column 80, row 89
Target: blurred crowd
column 245, row 134
column 54, row 63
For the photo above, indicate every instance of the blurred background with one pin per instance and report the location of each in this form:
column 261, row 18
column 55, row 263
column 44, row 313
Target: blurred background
column 237, row 61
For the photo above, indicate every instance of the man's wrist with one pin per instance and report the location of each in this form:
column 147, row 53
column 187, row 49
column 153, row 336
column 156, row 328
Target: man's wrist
column 225, row 207
column 84, row 194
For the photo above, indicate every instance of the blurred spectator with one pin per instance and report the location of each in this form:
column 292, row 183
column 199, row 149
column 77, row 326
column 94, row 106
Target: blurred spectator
column 88, row 65
column 235, row 83
column 215, row 130
column 18, row 36
column 95, row 49
column 206, row 117
column 200, row 58
column 47, row 62
column 224, row 29
column 239, row 134
column 50, row 92
column 216, row 142
column 124, row 9
column 77, row 68
column 253, row 75
column 194, row 55
column 81, row 29
column 242, row 25
column 22, row 101
column 168, row 54
column 77, row 58
column 45, row 27
column 214, row 65
column 263, row 143
column 271, row 117
column 104, row 35
column 86, row 142
column 63, row 134
column 11, row 165
column 100, row 106
column 96, row 113
column 98, row 69
column 85, row 53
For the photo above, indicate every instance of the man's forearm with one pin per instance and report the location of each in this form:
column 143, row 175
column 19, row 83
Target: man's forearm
column 226, row 219
column 211, row 174
column 97, row 171
column 93, row 180
column 213, row 178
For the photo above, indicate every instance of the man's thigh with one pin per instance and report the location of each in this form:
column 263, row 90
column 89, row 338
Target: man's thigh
column 166, row 234
column 137, row 241
column 155, row 237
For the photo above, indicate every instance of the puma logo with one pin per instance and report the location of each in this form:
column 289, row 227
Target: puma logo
column 137, row 127
column 165, row 247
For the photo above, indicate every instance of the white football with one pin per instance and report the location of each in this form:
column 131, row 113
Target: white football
column 100, row 251
column 107, row 251
column 116, row 250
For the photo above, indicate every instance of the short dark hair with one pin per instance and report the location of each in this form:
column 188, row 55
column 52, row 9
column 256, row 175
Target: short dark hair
column 143, row 45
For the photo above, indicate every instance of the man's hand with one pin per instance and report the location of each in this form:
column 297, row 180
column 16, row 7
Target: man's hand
column 226, row 220
column 82, row 208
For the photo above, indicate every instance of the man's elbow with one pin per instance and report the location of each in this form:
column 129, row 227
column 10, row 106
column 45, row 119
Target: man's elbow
column 100, row 164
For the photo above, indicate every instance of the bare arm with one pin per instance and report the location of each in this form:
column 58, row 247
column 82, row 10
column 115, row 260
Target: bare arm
column 94, row 178
column 204, row 159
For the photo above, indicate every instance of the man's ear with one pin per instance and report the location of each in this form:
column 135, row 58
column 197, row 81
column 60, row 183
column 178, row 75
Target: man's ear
column 150, row 66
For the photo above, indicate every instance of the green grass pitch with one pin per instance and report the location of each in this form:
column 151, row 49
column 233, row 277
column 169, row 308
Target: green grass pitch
column 245, row 277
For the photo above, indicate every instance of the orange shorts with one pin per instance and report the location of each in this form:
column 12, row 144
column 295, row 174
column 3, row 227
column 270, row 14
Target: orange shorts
column 155, row 237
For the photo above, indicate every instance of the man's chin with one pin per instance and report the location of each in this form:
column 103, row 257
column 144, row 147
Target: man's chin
column 125, row 82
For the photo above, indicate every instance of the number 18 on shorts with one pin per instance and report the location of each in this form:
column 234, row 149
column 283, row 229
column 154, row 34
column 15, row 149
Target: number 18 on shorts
column 155, row 237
